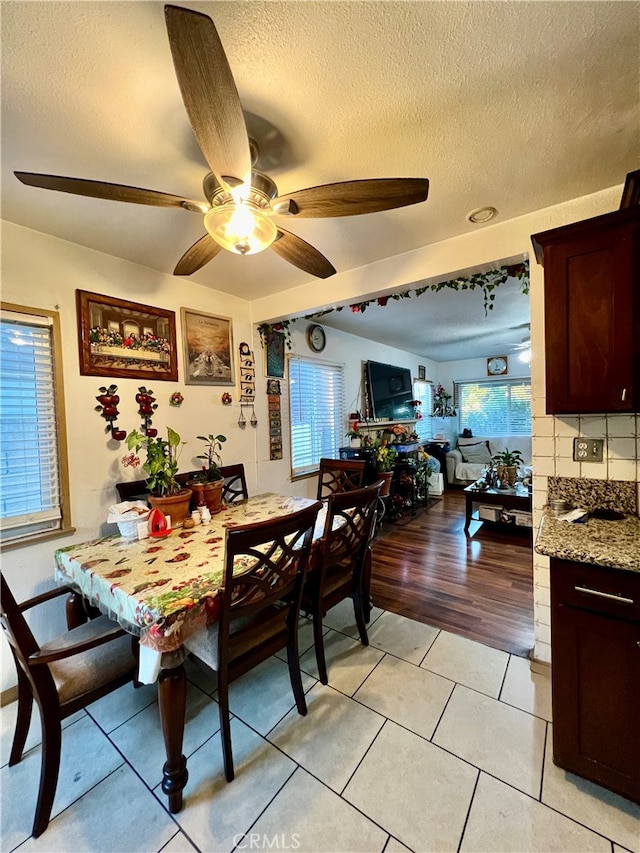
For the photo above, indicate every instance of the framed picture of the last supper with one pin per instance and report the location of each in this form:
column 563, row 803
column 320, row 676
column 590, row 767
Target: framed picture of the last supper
column 125, row 339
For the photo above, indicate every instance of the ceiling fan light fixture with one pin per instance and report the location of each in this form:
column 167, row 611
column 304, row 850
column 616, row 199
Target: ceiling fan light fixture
column 481, row 215
column 525, row 355
column 241, row 226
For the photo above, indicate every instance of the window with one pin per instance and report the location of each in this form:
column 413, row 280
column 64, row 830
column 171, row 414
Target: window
column 422, row 391
column 316, row 408
column 34, row 498
column 495, row 408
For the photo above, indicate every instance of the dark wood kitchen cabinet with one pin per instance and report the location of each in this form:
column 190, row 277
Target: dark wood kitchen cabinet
column 595, row 650
column 592, row 313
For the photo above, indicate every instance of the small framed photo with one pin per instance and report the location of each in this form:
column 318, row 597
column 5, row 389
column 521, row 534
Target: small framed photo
column 422, row 372
column 125, row 339
column 208, row 349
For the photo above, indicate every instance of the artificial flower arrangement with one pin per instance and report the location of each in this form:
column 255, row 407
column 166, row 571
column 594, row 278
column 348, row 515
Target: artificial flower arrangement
column 416, row 407
column 384, row 456
column 441, row 405
column 354, row 430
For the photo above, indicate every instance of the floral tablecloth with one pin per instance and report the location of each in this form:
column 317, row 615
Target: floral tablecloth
column 165, row 589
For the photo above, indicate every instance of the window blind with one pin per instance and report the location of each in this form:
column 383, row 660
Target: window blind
column 495, row 408
column 30, row 500
column 316, row 408
column 422, row 391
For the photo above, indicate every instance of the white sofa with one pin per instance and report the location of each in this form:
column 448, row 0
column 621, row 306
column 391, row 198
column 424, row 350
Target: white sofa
column 462, row 473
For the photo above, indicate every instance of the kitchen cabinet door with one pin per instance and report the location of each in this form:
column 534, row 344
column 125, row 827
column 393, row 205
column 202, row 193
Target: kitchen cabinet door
column 596, row 697
column 592, row 316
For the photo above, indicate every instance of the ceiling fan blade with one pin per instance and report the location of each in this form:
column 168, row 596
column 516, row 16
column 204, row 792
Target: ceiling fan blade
column 202, row 251
column 349, row 198
column 209, row 93
column 301, row 254
column 102, row 189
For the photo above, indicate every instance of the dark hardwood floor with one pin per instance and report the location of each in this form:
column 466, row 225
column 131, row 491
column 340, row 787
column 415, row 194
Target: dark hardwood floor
column 479, row 586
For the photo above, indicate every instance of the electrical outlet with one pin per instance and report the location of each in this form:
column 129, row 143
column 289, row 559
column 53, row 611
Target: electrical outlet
column 588, row 449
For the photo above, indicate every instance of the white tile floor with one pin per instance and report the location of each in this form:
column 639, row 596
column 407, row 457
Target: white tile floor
column 424, row 741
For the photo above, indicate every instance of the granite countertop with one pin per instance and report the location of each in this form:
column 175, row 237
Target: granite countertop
column 605, row 543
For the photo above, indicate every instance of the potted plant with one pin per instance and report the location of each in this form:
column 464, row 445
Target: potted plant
column 209, row 482
column 383, row 460
column 161, row 467
column 507, row 462
column 354, row 435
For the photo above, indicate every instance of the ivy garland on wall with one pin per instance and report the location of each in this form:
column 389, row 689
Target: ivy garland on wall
column 487, row 282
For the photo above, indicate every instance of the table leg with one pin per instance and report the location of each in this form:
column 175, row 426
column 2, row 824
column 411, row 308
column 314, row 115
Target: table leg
column 172, row 701
column 75, row 611
column 468, row 510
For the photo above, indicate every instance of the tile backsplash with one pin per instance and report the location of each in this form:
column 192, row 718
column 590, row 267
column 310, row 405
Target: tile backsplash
column 613, row 483
column 553, row 446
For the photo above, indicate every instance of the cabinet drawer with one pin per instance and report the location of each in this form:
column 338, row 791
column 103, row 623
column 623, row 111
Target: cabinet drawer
column 596, row 588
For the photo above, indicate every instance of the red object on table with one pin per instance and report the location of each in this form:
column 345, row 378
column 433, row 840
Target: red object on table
column 157, row 523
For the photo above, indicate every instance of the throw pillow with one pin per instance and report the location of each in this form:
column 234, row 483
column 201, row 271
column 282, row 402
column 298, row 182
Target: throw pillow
column 477, row 452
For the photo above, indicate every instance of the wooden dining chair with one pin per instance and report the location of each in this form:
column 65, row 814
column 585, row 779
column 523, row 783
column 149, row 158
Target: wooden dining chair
column 234, row 486
column 340, row 563
column 265, row 567
column 132, row 490
column 339, row 475
column 63, row 675
column 235, row 483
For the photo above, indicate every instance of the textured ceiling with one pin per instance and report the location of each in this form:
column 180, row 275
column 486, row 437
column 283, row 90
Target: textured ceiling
column 519, row 105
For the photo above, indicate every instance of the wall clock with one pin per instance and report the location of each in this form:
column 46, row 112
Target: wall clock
column 316, row 338
column 497, row 366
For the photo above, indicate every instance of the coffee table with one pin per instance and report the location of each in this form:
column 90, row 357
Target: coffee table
column 516, row 498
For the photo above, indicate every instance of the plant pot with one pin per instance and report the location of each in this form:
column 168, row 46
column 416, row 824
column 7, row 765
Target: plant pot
column 512, row 474
column 356, row 442
column 175, row 506
column 213, row 495
column 386, row 477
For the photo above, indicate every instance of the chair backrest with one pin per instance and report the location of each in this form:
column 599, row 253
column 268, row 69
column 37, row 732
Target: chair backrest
column 235, row 483
column 348, row 529
column 132, row 490
column 15, row 627
column 339, row 475
column 234, row 486
column 276, row 554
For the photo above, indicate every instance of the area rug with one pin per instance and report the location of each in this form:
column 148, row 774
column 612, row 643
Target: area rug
column 388, row 523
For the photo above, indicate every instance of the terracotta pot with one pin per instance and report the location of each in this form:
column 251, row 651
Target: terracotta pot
column 175, row 506
column 386, row 476
column 213, row 496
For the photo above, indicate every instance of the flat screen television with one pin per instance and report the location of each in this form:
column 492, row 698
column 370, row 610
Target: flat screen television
column 390, row 391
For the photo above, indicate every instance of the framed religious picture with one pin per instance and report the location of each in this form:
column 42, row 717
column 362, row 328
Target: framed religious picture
column 208, row 349
column 422, row 372
column 126, row 339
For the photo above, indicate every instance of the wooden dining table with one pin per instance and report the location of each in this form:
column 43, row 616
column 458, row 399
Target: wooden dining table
column 163, row 590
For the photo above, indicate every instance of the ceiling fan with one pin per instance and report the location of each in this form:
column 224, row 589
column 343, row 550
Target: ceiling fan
column 241, row 201
column 523, row 349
